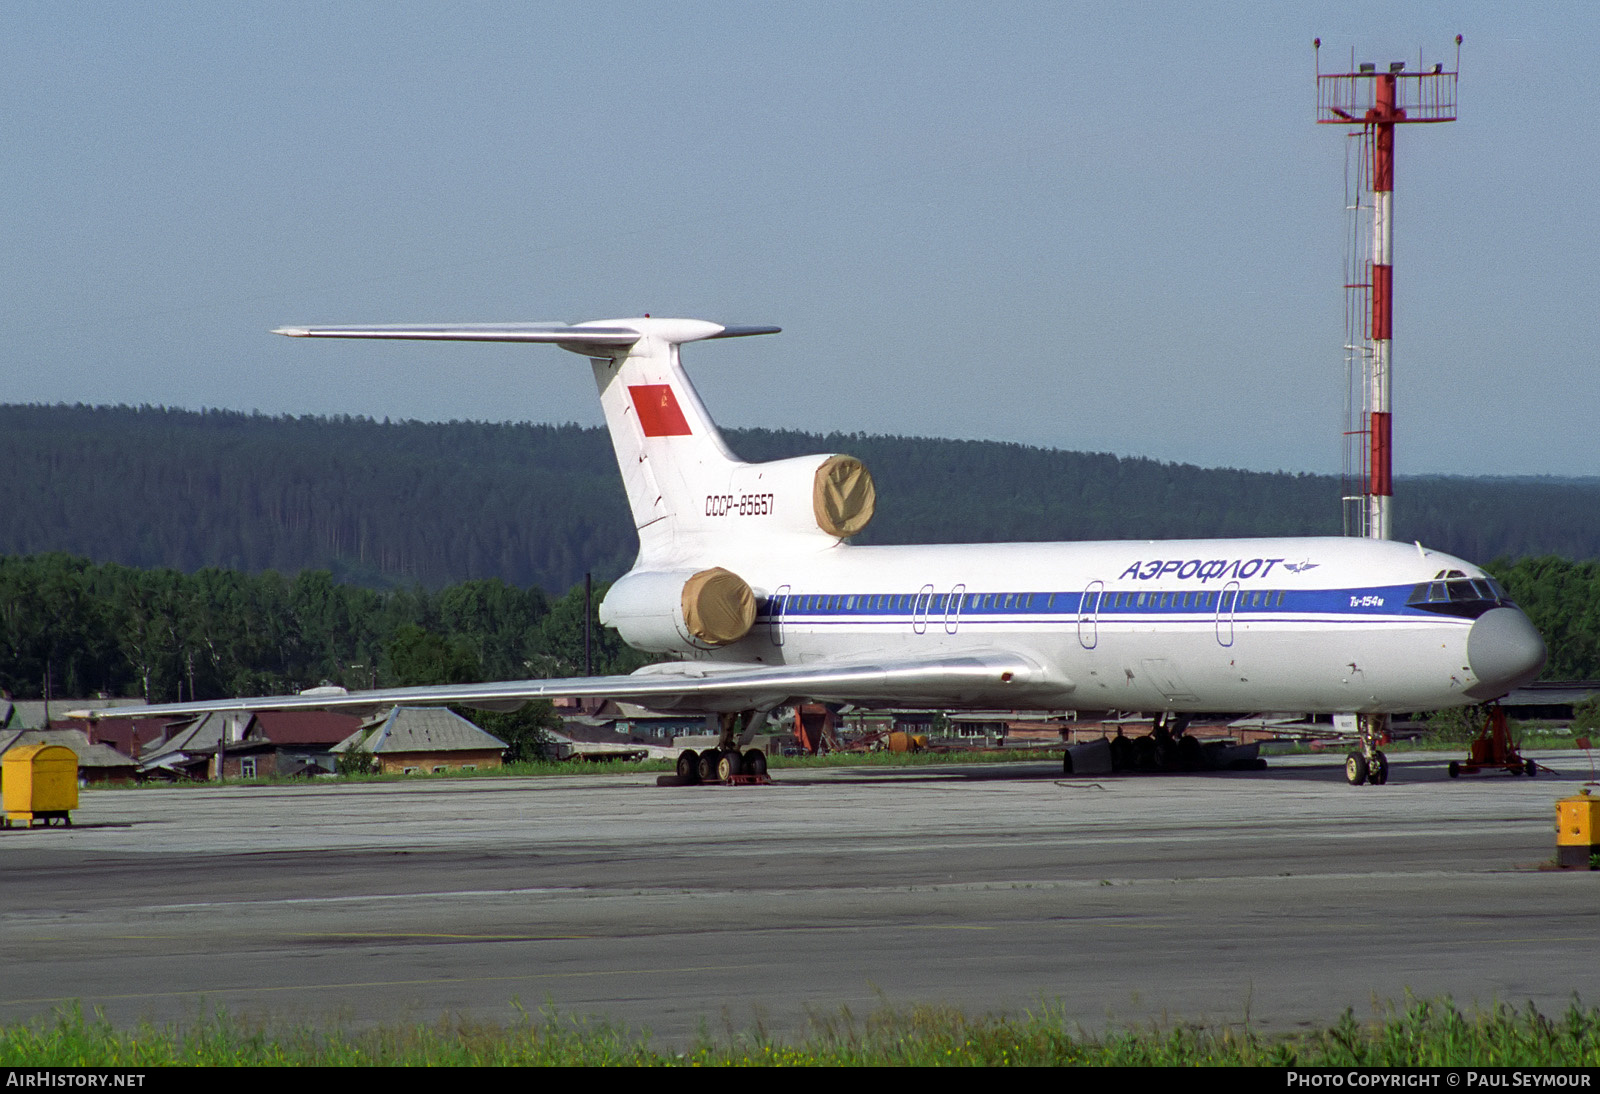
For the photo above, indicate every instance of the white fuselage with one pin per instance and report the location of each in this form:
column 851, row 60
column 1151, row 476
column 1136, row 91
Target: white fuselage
column 1182, row 625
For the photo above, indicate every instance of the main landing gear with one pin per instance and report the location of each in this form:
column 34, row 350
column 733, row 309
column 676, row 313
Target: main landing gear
column 727, row 763
column 716, row 765
column 1368, row 764
column 1166, row 746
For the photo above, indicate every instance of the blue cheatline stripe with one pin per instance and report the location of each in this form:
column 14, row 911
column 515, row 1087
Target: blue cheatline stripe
column 1383, row 601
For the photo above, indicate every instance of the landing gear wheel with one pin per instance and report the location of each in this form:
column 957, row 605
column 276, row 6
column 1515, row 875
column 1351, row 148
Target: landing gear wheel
column 1355, row 768
column 1121, row 753
column 1145, row 755
column 755, row 762
column 728, row 764
column 1378, row 770
column 689, row 766
column 1530, row 769
column 1190, row 753
column 706, row 765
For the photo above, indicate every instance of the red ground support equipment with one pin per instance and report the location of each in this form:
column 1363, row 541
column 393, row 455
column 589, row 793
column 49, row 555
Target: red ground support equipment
column 746, row 780
column 1493, row 749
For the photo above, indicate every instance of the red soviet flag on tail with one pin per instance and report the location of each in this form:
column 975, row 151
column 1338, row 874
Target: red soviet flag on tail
column 658, row 410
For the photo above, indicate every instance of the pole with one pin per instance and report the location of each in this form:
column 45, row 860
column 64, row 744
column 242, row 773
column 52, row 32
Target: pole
column 1380, row 486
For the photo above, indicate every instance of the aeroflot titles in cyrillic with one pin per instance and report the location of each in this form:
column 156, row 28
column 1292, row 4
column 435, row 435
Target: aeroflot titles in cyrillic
column 1185, row 570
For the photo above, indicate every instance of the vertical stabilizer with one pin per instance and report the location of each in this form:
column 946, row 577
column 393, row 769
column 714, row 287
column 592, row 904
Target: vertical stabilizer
column 669, row 451
column 693, row 499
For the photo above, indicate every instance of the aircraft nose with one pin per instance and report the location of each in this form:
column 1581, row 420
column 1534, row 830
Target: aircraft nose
column 1504, row 651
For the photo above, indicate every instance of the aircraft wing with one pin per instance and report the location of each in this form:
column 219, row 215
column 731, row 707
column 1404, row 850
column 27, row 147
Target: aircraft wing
column 979, row 679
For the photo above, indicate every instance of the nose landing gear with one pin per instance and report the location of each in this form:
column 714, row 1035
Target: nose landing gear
column 1368, row 764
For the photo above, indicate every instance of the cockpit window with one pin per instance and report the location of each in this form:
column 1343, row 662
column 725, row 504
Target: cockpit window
column 1459, row 595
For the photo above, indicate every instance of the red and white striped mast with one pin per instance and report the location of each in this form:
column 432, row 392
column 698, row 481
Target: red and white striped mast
column 1375, row 102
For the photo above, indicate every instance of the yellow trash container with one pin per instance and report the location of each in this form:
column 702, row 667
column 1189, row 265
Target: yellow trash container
column 1577, row 830
column 41, row 783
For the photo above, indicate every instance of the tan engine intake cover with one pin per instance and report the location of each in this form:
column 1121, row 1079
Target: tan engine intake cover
column 843, row 496
column 718, row 607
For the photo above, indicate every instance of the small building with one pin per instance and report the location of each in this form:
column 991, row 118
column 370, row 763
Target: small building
column 251, row 745
column 424, row 740
column 629, row 723
column 295, row 742
column 189, row 748
column 132, row 736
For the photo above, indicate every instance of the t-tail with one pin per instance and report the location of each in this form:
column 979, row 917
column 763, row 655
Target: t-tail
column 693, row 501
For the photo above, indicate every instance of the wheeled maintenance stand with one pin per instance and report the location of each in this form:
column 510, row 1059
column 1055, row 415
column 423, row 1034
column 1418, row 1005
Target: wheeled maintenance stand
column 1493, row 750
column 41, row 784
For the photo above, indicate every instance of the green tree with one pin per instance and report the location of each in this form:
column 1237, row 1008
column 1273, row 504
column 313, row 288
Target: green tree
column 559, row 650
column 1456, row 725
column 1562, row 598
column 357, row 761
column 498, row 619
column 1586, row 716
column 415, row 658
column 526, row 732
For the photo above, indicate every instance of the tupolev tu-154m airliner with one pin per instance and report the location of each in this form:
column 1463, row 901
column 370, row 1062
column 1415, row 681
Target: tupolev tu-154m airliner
column 746, row 578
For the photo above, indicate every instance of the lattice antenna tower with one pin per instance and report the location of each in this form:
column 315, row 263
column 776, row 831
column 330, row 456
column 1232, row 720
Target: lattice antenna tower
column 1370, row 103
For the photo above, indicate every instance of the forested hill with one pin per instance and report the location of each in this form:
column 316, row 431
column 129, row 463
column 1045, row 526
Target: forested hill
column 382, row 503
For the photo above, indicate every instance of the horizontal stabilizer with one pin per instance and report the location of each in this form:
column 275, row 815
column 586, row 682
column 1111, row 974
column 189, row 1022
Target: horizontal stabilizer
column 611, row 332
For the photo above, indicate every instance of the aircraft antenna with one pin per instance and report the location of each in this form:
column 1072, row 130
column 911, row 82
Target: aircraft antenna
column 1369, row 103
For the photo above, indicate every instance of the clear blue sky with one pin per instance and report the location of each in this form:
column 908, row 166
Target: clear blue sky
column 1106, row 227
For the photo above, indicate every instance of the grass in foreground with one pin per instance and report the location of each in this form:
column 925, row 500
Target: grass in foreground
column 1415, row 1034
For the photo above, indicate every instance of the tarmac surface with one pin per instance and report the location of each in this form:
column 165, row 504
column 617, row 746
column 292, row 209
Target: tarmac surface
column 1281, row 896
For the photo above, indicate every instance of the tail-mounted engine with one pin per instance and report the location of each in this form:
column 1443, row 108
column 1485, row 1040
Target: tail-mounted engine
column 816, row 498
column 665, row 612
